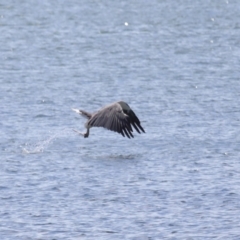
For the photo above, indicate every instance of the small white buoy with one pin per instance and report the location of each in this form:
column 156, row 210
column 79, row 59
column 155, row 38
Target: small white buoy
column 126, row 23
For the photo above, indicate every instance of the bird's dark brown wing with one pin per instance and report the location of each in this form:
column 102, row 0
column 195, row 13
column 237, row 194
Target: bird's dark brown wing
column 114, row 118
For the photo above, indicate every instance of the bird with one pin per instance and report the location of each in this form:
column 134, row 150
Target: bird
column 117, row 117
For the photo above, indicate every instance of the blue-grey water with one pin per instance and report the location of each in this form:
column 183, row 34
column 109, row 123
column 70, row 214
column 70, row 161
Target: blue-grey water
column 177, row 65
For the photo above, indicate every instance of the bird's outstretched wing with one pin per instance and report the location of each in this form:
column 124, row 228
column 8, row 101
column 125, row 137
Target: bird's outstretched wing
column 116, row 118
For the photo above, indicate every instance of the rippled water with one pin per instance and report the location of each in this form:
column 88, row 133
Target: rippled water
column 176, row 64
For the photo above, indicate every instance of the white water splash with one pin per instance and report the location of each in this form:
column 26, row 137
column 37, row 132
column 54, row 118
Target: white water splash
column 40, row 146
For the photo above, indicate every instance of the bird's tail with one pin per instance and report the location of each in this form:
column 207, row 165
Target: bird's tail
column 83, row 113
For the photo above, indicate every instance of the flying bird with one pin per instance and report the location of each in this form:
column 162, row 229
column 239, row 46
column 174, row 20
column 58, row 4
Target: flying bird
column 117, row 117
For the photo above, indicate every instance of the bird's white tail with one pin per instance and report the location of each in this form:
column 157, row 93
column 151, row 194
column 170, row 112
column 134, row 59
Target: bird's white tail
column 83, row 113
column 76, row 110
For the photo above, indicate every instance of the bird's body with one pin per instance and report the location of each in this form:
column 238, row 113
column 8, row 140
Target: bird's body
column 117, row 117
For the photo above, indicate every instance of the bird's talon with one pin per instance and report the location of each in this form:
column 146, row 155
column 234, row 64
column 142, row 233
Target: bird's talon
column 78, row 132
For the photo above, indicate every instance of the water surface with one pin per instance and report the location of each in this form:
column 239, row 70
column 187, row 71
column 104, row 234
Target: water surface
column 176, row 64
